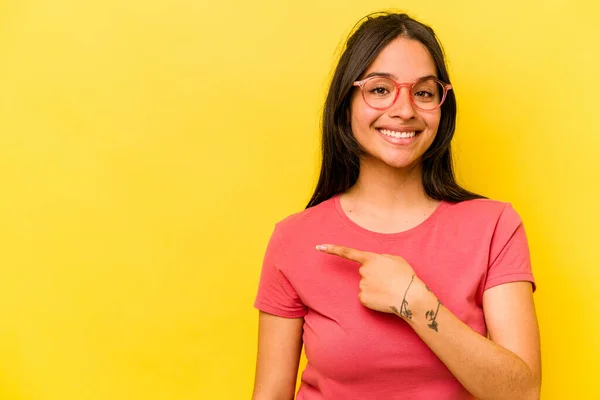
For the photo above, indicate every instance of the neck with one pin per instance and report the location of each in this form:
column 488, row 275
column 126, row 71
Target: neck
column 388, row 189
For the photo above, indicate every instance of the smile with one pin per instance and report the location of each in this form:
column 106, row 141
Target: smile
column 397, row 135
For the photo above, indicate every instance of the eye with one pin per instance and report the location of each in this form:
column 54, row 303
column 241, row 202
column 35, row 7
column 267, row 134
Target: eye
column 427, row 91
column 424, row 94
column 379, row 91
column 379, row 87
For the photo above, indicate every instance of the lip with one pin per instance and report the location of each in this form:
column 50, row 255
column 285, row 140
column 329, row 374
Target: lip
column 399, row 141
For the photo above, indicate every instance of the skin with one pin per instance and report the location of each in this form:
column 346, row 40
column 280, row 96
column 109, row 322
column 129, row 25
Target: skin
column 389, row 197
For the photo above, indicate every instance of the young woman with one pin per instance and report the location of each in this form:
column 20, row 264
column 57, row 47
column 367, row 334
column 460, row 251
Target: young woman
column 417, row 288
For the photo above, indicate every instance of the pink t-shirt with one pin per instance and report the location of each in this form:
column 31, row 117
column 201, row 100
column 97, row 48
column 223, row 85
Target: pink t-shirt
column 353, row 352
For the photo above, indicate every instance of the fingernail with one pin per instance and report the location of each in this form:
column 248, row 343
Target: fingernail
column 321, row 247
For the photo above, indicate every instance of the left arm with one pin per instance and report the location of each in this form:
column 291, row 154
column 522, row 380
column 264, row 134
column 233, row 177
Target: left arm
column 506, row 366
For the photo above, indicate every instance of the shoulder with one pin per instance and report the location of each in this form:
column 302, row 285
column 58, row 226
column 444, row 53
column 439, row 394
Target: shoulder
column 483, row 214
column 482, row 211
column 306, row 221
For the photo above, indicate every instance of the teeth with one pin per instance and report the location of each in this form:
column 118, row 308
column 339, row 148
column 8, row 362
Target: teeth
column 397, row 134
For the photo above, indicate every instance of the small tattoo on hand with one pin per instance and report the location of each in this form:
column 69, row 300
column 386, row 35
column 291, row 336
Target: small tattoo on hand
column 404, row 311
column 431, row 316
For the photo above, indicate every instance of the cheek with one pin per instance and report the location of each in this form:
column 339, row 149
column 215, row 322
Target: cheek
column 361, row 117
column 432, row 121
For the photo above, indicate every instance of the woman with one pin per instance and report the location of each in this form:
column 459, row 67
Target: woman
column 418, row 288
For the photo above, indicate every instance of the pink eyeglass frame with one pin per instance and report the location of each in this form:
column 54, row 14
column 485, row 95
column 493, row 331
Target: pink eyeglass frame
column 399, row 86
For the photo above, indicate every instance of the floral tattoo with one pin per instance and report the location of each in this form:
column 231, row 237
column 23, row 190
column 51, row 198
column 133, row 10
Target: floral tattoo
column 404, row 311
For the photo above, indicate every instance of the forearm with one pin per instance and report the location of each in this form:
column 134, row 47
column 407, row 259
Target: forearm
column 485, row 369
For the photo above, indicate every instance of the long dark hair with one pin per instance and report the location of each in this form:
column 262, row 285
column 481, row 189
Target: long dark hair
column 340, row 150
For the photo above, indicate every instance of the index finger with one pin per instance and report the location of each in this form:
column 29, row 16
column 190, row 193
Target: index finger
column 346, row 252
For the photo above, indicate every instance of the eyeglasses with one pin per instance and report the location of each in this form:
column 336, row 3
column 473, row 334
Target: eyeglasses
column 381, row 92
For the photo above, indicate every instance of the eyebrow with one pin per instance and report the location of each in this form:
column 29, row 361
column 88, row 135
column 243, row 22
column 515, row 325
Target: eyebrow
column 392, row 76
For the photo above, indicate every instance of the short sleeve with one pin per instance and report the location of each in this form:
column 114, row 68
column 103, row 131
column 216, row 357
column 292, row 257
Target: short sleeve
column 276, row 295
column 509, row 252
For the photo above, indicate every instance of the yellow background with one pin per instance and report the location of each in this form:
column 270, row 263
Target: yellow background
column 148, row 147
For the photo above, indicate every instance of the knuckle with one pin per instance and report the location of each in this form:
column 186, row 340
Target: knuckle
column 362, row 297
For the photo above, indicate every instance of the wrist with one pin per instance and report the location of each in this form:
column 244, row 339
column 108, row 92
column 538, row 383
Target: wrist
column 416, row 303
column 427, row 306
column 423, row 297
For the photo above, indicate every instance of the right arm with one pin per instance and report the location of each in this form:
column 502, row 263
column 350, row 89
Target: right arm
column 279, row 348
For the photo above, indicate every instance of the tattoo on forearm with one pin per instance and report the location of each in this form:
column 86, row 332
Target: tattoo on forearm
column 431, row 316
column 404, row 311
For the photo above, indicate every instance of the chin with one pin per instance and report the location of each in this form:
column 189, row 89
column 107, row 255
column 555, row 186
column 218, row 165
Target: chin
column 400, row 164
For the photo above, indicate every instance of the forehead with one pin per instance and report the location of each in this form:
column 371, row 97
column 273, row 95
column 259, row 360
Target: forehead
column 406, row 59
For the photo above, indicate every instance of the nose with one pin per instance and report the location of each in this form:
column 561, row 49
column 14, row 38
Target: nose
column 403, row 107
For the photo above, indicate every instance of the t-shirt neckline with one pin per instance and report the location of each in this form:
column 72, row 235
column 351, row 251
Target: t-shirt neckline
column 393, row 235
